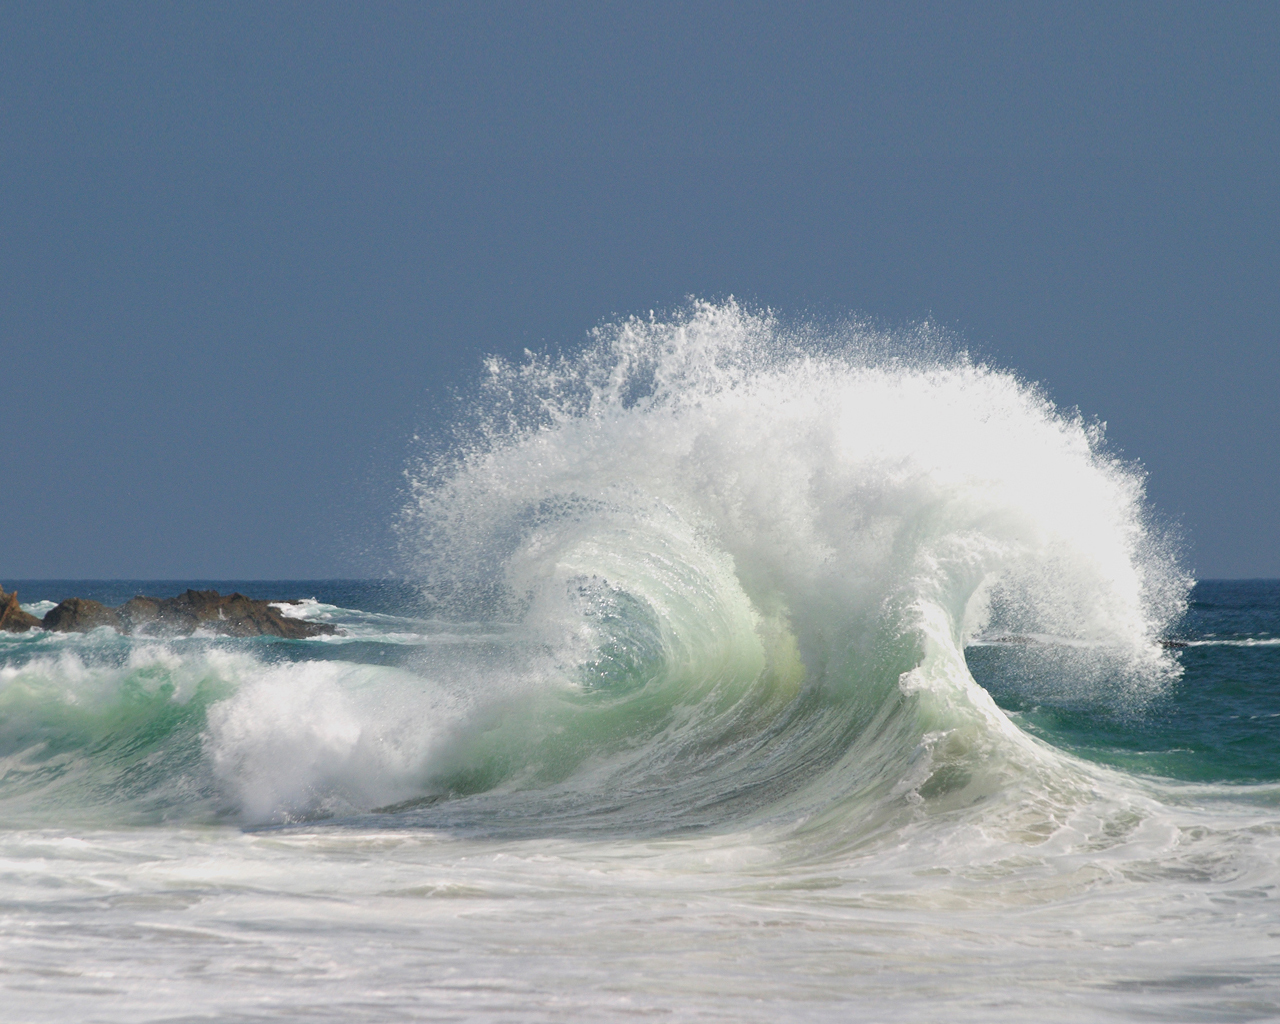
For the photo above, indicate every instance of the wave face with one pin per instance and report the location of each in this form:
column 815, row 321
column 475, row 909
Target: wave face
column 746, row 559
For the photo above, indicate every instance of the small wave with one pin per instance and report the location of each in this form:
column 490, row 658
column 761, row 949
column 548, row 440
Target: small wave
column 1270, row 641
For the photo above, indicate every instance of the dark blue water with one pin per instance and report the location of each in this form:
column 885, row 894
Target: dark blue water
column 1219, row 722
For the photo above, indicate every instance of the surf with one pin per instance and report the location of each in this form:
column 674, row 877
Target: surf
column 709, row 570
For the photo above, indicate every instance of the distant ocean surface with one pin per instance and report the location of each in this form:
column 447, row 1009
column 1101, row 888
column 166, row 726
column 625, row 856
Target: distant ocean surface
column 733, row 675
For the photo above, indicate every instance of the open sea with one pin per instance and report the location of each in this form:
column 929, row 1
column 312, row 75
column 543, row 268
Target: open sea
column 735, row 673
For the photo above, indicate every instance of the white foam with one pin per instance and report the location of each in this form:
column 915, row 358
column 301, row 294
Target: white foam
column 306, row 608
column 846, row 480
column 39, row 608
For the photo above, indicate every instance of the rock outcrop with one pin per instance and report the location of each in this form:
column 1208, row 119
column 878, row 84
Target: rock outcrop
column 229, row 615
column 78, row 615
column 12, row 618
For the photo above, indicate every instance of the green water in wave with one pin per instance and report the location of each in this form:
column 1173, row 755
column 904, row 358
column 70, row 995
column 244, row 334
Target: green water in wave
column 99, row 726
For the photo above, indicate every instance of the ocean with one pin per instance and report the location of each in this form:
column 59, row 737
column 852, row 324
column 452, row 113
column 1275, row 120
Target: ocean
column 735, row 671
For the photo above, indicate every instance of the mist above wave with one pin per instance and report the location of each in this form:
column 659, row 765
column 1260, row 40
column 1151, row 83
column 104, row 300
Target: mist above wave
column 838, row 475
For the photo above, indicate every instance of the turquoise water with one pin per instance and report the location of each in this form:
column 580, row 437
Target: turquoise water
column 1217, row 721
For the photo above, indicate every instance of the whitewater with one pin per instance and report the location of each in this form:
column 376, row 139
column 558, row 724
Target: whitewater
column 739, row 669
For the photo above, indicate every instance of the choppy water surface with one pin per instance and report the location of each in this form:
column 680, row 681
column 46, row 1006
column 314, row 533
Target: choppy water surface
column 739, row 672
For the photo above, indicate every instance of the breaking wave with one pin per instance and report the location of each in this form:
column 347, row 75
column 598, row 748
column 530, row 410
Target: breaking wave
column 712, row 569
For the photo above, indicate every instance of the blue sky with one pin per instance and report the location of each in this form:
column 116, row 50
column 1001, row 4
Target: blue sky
column 246, row 250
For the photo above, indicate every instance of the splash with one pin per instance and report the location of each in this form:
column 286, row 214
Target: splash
column 776, row 523
column 838, row 479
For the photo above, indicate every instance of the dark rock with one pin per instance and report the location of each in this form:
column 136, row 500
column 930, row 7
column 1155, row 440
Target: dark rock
column 12, row 618
column 230, row 615
column 138, row 613
column 78, row 615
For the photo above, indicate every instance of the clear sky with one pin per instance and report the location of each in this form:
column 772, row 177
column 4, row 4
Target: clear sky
column 246, row 249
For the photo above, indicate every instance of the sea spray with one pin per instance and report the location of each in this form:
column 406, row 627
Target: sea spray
column 837, row 474
column 851, row 506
